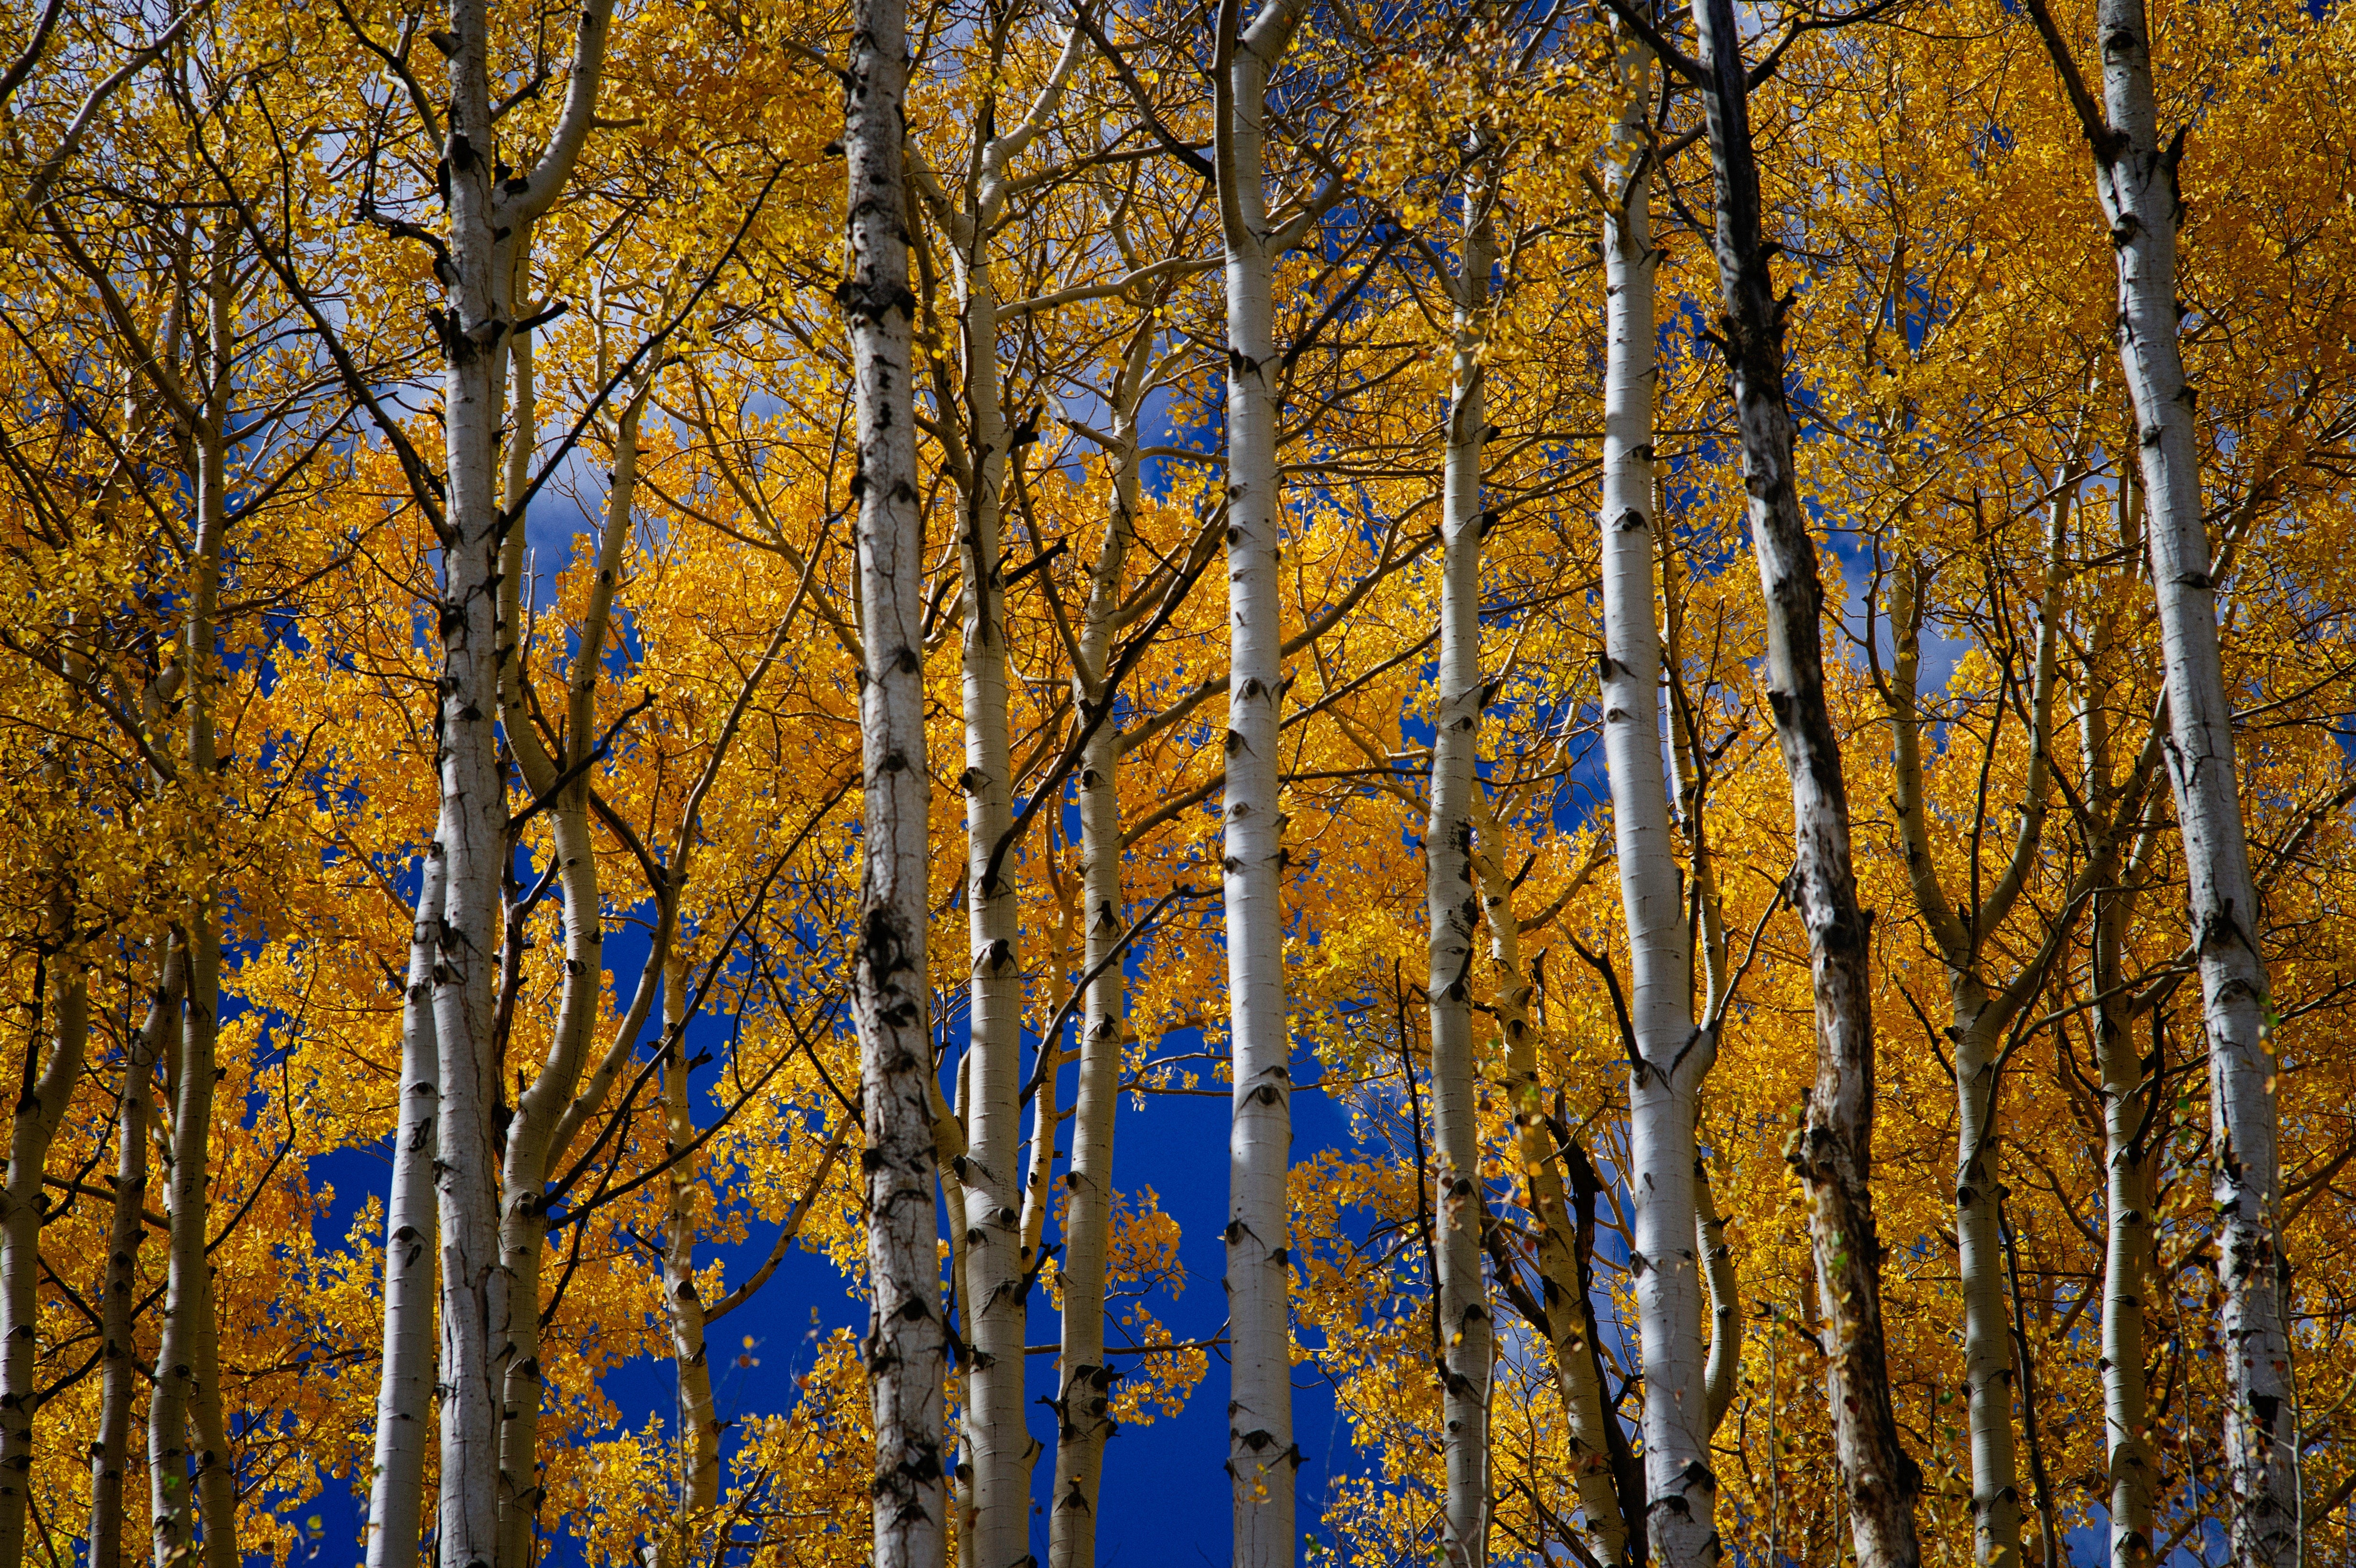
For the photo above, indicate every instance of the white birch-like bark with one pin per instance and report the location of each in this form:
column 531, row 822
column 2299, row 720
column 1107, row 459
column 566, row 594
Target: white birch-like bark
column 185, row 1418
column 1263, row 1460
column 540, row 1110
column 40, row 1107
column 1673, row 1055
column 1082, row 1424
column 2130, row 1149
column 1602, row 1524
column 997, row 1442
column 1832, row 1153
column 699, row 1420
column 404, row 1407
column 903, row 1346
column 126, row 1231
column 1452, row 910
column 2135, row 178
column 1980, row 1016
column 488, row 212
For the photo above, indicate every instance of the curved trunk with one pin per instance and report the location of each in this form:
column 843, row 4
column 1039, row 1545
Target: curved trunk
column 1452, row 910
column 1681, row 1492
column 903, row 1350
column 406, row 1390
column 1832, row 1153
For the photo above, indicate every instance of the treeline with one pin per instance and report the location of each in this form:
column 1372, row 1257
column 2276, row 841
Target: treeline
column 618, row 604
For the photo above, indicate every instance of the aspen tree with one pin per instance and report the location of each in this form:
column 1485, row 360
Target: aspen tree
column 40, row 1106
column 2130, row 1147
column 1832, row 1152
column 489, row 210
column 558, row 779
column 1671, row 1055
column 1959, row 932
column 2137, row 188
column 405, row 1385
column 1261, row 1456
column 997, row 1445
column 904, row 1348
column 187, row 1406
column 1452, row 910
column 126, row 1229
column 1083, row 1426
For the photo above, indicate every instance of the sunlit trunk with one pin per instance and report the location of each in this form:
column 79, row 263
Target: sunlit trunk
column 904, row 1347
column 1832, row 1152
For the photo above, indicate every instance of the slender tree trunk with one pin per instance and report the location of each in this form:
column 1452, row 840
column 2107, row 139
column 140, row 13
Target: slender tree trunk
column 406, row 1390
column 1833, row 1152
column 540, row 1112
column 2135, row 178
column 1725, row 1366
column 699, row 1420
column 187, row 1402
column 996, row 1439
column 1262, row 1460
column 1087, row 1379
column 1451, row 911
column 40, row 1107
column 1976, row 1038
column 2127, row 1111
column 490, row 207
column 903, row 1346
column 1681, row 1500
column 1605, row 1527
column 126, row 1231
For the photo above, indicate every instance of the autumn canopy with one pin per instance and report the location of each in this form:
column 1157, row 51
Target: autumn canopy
column 676, row 673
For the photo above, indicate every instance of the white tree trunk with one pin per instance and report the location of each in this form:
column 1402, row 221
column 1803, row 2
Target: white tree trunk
column 126, row 1231
column 1451, row 912
column 1681, row 1492
column 39, row 1110
column 404, row 1405
column 2135, row 176
column 187, row 1406
column 1083, row 1426
column 699, row 1420
column 996, row 1439
column 903, row 1349
column 1833, row 1152
column 489, row 210
column 1261, row 1457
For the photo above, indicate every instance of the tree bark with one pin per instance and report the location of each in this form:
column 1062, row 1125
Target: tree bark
column 1451, row 911
column 186, row 1404
column 2136, row 179
column 903, row 1346
column 1262, row 1460
column 404, row 1407
column 40, row 1107
column 1833, row 1152
column 1672, row 1055
column 491, row 208
column 699, row 1419
column 126, row 1231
